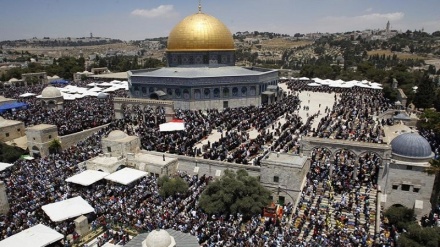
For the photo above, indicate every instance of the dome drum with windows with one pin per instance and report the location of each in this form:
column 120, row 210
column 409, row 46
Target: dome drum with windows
column 201, row 72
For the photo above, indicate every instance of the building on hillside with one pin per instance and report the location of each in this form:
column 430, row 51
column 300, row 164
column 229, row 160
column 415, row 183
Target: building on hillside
column 201, row 72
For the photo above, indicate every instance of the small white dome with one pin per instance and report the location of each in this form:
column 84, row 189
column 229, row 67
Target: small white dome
column 51, row 92
column 159, row 238
column 13, row 80
column 116, row 135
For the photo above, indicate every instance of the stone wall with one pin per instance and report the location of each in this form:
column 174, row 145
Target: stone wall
column 72, row 139
column 4, row 205
column 208, row 167
column 12, row 131
column 396, row 176
column 334, row 145
column 218, row 103
column 166, row 104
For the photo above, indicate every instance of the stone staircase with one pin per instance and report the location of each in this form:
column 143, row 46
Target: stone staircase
column 325, row 203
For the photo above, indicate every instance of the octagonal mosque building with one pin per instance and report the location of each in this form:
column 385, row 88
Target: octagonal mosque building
column 201, row 72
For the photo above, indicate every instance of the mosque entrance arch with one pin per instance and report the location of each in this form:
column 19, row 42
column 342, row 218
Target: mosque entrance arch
column 359, row 149
column 120, row 167
column 369, row 166
column 123, row 105
column 154, row 96
column 35, row 151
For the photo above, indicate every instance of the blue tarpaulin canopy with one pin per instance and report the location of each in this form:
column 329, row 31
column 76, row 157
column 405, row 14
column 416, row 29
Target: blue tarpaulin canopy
column 59, row 81
column 12, row 106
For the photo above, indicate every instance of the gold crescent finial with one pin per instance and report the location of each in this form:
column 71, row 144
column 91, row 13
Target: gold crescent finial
column 200, row 6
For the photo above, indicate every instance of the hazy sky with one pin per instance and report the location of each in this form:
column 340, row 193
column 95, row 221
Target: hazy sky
column 136, row 19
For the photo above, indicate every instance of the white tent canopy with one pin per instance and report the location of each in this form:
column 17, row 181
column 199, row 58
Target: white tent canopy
column 36, row 236
column 172, row 126
column 95, row 89
column 314, row 84
column 126, row 176
column 105, row 84
column 87, row 177
column 25, row 95
column 3, row 166
column 67, row 209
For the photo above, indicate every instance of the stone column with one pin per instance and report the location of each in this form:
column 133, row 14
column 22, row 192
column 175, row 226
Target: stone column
column 378, row 202
column 355, row 170
column 169, row 113
column 81, row 225
column 4, row 204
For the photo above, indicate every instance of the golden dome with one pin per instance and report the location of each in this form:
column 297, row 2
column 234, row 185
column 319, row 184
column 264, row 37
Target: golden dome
column 200, row 32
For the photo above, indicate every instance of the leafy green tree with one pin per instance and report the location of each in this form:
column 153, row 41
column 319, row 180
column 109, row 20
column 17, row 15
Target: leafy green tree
column 235, row 193
column 172, row 186
column 425, row 96
column 54, row 146
column 430, row 120
column 400, row 216
column 434, row 169
column 417, row 236
column 10, row 154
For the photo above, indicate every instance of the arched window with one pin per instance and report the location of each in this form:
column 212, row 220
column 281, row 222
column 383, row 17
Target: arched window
column 197, row 93
column 207, row 93
column 243, row 91
column 186, row 94
column 216, row 93
column 178, row 93
column 253, row 91
column 170, row 92
column 151, row 89
column 225, row 92
column 144, row 90
column 235, row 92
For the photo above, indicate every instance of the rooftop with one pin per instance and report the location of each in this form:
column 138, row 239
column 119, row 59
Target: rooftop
column 201, row 72
column 103, row 160
column 119, row 75
column 286, row 159
column 42, row 127
column 7, row 122
column 182, row 239
column 153, row 159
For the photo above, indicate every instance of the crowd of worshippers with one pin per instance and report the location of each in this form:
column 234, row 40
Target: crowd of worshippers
column 336, row 207
column 31, row 184
column 34, row 183
column 82, row 114
column 352, row 117
column 432, row 219
column 234, row 124
column 302, row 85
